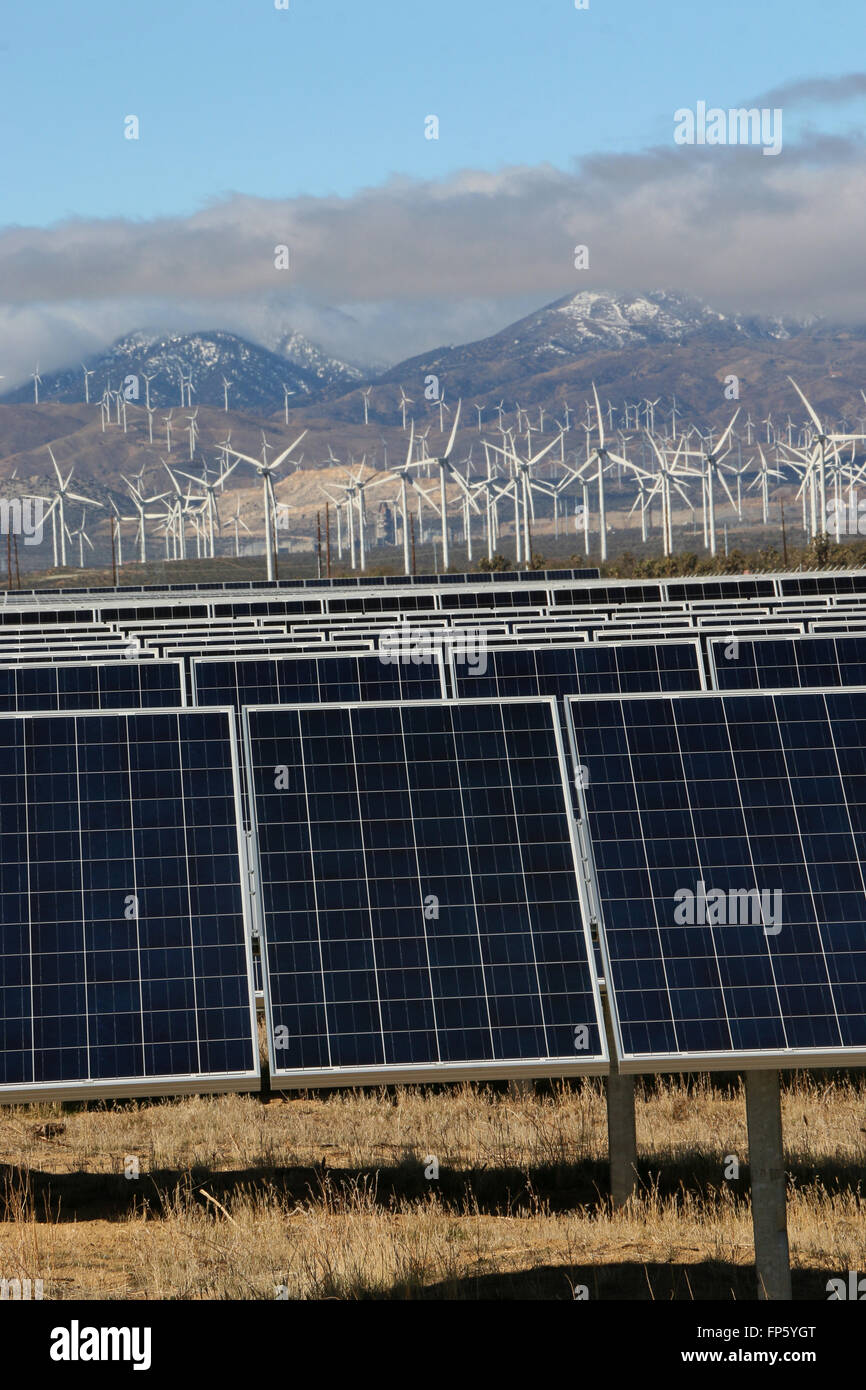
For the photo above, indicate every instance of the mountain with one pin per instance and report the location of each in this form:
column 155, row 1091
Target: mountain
column 328, row 371
column 651, row 344
column 256, row 374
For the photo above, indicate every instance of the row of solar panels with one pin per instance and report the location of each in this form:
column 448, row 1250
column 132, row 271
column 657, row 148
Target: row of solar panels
column 464, row 590
column 344, row 582
column 464, row 671
column 423, row 893
column 310, row 616
column 161, row 636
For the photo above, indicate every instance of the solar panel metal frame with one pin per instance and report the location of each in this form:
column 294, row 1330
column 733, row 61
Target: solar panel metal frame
column 692, row 642
column 800, row 638
column 406, row 1073
column 438, row 662
column 183, row 1083
column 755, row 1059
column 122, row 664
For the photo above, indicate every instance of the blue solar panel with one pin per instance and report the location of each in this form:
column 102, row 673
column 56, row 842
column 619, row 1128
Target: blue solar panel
column 580, row 669
column 728, row 838
column 124, row 956
column 419, row 898
column 92, row 685
column 314, row 679
column 779, row 663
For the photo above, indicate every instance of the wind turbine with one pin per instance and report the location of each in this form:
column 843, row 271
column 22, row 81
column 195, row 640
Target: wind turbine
column 37, row 380
column 147, row 379
column 82, row 537
column 62, row 494
column 404, row 401
column 407, row 481
column 712, row 458
column 366, row 392
column 88, row 373
column 266, row 471
column 818, row 461
column 445, row 465
column 601, row 458
column 237, row 521
column 226, row 388
column 211, row 510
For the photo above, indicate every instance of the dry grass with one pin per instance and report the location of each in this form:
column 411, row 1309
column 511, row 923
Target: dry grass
column 325, row 1196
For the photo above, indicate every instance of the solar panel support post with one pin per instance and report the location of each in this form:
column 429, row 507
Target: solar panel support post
column 767, row 1167
column 621, row 1130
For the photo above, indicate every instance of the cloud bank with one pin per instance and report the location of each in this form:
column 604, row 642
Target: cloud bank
column 409, row 265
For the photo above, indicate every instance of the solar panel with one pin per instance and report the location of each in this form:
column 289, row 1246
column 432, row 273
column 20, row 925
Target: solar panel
column 579, row 669
column 312, row 679
column 778, row 663
column 125, row 961
column 94, row 685
column 419, row 901
column 725, row 835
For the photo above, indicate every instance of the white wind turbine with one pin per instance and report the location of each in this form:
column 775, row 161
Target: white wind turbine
column 88, row 373
column 147, row 378
column 712, row 456
column 62, row 493
column 404, row 401
column 238, row 521
column 521, row 487
column 668, row 477
column 406, row 481
column 37, row 381
column 818, row 463
column 82, row 537
column 602, row 458
column 211, row 510
column 366, row 392
column 266, row 471
column 446, row 466
column 227, row 385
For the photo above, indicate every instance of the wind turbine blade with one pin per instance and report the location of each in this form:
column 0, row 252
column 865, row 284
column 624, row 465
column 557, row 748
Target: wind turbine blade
column 285, row 454
column 721, row 442
column 598, row 415
column 454, row 428
column 806, row 404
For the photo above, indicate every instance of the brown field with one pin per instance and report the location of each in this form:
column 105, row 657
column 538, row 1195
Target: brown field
column 325, row 1194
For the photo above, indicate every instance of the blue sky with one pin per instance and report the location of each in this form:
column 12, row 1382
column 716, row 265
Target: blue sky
column 305, row 127
column 330, row 96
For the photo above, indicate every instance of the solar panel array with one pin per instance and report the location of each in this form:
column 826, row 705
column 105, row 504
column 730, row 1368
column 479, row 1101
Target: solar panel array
column 727, row 836
column 462, row 676
column 124, row 949
column 419, row 894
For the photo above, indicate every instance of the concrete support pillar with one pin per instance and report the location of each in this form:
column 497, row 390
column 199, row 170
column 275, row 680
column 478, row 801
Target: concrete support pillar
column 767, row 1166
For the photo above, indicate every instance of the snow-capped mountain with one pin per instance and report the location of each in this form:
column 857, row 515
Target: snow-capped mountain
column 329, row 371
column 256, row 376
